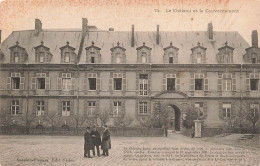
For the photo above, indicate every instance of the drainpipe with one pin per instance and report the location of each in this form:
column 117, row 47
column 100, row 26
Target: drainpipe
column 241, row 97
column 27, row 96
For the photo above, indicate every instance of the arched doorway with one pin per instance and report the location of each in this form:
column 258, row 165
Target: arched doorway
column 175, row 118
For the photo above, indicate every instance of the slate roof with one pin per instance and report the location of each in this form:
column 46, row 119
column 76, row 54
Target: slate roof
column 105, row 40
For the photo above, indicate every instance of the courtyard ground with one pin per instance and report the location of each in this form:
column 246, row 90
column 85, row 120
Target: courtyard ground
column 176, row 149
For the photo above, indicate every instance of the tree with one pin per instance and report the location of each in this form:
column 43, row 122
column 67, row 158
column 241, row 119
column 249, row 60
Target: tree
column 5, row 117
column 53, row 119
column 104, row 115
column 78, row 121
column 251, row 112
column 146, row 121
column 123, row 120
column 189, row 117
column 161, row 115
column 28, row 118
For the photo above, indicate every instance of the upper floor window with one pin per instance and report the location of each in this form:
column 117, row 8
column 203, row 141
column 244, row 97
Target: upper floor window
column 170, row 83
column 227, row 82
column 40, row 81
column 225, row 54
column 116, row 108
column 91, row 107
column 226, row 107
column 143, row 84
column 118, row 54
column 117, row 82
column 93, row 54
column 15, row 82
column 65, row 108
column 252, row 82
column 40, row 108
column 143, row 54
column 199, row 82
column 143, row 107
column 198, row 54
column 18, row 54
column 15, row 107
column 66, row 82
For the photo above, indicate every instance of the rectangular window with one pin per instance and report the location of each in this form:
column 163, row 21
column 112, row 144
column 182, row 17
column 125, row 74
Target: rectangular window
column 91, row 107
column 170, row 83
column 199, row 108
column 198, row 84
column 117, row 108
column 117, row 83
column 40, row 108
column 41, row 57
column 15, row 107
column 16, row 57
column 143, row 107
column 143, row 57
column 254, row 110
column 226, row 84
column 226, row 58
column 254, row 84
column 198, row 57
column 92, row 59
column 253, row 60
column 143, row 84
column 66, row 82
column 65, row 108
column 41, row 83
column 67, row 57
column 92, row 84
column 15, row 82
column 226, row 110
column 118, row 58
column 170, row 59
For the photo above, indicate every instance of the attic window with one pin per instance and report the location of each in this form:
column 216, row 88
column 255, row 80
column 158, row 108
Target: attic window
column 16, row 57
column 67, row 57
column 118, row 58
column 226, row 58
column 144, row 57
column 198, row 57
column 171, row 58
column 254, row 59
column 41, row 57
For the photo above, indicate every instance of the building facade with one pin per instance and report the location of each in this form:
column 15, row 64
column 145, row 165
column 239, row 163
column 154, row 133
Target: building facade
column 77, row 73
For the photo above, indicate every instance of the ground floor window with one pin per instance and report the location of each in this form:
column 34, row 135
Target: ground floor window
column 91, row 107
column 40, row 108
column 65, row 108
column 143, row 107
column 254, row 110
column 117, row 108
column 15, row 107
column 226, row 110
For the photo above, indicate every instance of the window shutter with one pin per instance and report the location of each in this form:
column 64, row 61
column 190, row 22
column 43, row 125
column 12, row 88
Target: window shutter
column 59, row 108
column 47, row 83
column 205, row 109
column 73, row 84
column 110, row 84
column 219, row 84
column 21, row 106
column 59, row 83
column 178, row 84
column 192, row 83
column 98, row 83
column 220, row 110
column 33, row 83
column 234, row 84
column 247, row 84
column 45, row 107
column 72, row 107
column 21, row 83
column 206, row 84
column 164, row 82
column 34, row 107
column 124, row 84
column 85, row 83
column 85, row 108
column 8, row 83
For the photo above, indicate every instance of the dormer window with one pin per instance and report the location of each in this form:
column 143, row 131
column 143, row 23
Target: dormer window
column 225, row 54
column 93, row 54
column 143, row 54
column 118, row 54
column 68, row 54
column 198, row 54
column 254, row 58
column 170, row 54
column 42, row 53
column 18, row 54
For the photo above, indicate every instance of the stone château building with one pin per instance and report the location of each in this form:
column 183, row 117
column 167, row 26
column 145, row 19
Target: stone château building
column 79, row 72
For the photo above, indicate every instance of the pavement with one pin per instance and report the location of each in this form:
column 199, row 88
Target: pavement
column 126, row 151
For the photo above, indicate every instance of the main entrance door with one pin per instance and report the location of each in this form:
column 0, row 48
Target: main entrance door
column 175, row 118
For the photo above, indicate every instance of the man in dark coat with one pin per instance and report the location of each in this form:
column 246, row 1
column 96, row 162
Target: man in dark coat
column 106, row 142
column 88, row 143
column 96, row 140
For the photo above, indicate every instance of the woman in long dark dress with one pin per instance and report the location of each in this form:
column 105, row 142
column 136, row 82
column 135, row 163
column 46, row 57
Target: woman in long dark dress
column 106, row 142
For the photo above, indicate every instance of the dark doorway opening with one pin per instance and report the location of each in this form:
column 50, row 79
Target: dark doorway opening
column 175, row 122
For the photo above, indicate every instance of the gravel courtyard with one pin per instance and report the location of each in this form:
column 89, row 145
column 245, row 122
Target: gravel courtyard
column 174, row 150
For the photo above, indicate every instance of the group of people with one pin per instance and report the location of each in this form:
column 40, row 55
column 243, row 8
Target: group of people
column 93, row 141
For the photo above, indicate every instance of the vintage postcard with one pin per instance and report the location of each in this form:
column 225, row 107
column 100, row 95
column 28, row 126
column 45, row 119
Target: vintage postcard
column 129, row 82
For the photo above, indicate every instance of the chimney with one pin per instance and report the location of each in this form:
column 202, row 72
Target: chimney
column 254, row 38
column 38, row 24
column 84, row 26
column 157, row 35
column 0, row 35
column 110, row 29
column 133, row 36
column 210, row 31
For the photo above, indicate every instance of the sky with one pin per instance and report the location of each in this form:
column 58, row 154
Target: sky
column 120, row 15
